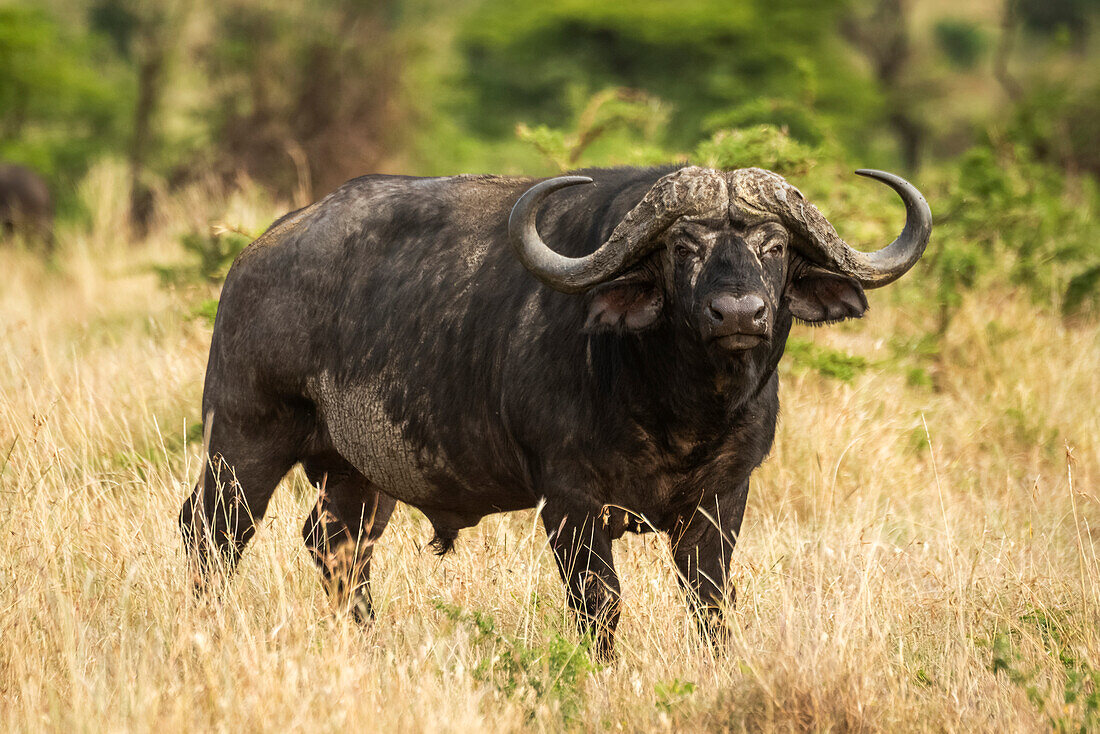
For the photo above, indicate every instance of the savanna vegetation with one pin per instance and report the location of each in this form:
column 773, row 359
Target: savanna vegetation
column 920, row 551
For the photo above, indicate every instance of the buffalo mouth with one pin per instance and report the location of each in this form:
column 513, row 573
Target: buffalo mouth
column 738, row 342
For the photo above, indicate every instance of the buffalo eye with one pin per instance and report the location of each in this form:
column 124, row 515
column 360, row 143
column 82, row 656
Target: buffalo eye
column 687, row 244
column 683, row 252
column 775, row 241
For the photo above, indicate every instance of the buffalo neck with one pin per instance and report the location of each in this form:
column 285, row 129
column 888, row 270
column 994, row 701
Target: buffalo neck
column 672, row 387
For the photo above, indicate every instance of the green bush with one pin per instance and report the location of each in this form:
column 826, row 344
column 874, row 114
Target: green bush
column 1008, row 219
column 64, row 95
column 761, row 146
column 211, row 254
column 607, row 112
column 804, row 356
column 961, row 41
column 552, row 672
column 531, row 61
column 1070, row 701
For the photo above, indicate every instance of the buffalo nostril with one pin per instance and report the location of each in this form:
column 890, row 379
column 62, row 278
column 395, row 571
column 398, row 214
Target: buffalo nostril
column 731, row 314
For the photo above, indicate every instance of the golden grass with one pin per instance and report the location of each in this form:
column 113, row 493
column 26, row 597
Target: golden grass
column 915, row 556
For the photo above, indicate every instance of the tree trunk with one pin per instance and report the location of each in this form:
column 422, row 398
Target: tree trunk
column 150, row 78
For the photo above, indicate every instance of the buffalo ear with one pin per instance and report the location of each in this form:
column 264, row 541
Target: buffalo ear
column 631, row 302
column 819, row 296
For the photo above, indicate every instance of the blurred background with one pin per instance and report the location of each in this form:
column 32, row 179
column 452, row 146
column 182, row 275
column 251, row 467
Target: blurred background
column 991, row 106
column 919, row 552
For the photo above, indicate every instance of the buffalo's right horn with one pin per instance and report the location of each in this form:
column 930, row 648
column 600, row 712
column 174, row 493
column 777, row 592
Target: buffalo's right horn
column 686, row 191
column 568, row 274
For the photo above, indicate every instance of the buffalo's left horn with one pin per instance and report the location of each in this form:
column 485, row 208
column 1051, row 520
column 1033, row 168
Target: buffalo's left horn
column 893, row 261
column 824, row 245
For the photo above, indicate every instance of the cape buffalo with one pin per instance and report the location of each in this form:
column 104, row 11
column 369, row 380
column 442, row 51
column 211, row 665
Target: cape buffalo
column 25, row 204
column 392, row 339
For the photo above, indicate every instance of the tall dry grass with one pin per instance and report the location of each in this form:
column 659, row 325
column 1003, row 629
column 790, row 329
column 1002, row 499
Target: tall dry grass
column 919, row 552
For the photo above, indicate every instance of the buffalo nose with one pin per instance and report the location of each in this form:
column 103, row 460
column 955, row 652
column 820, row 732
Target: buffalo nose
column 730, row 314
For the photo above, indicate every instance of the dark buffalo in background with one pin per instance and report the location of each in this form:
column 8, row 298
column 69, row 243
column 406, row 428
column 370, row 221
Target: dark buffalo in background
column 26, row 207
column 415, row 339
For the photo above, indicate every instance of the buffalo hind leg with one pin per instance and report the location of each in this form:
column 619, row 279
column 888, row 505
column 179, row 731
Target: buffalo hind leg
column 702, row 547
column 241, row 471
column 581, row 543
column 340, row 533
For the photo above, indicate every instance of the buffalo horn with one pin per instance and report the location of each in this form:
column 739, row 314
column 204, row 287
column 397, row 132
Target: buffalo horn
column 682, row 192
column 870, row 269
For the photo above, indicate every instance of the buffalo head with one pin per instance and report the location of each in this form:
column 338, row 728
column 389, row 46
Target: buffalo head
column 722, row 252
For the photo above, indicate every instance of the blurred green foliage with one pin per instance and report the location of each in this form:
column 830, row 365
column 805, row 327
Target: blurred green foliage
column 963, row 42
column 1070, row 702
column 806, row 356
column 64, row 93
column 536, row 61
column 1059, row 122
column 1070, row 17
column 210, row 254
column 1008, row 219
column 608, row 111
column 672, row 693
column 760, row 146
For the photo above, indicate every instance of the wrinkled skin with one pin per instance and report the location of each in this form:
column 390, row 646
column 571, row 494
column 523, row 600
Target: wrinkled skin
column 25, row 204
column 388, row 339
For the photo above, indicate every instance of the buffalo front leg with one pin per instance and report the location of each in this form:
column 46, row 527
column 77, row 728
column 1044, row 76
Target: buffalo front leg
column 581, row 543
column 702, row 546
column 340, row 533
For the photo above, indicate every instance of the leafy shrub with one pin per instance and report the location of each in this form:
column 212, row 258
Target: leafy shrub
column 797, row 118
column 1059, row 122
column 527, row 61
column 64, row 96
column 215, row 251
column 806, row 356
column 1007, row 218
column 1083, row 290
column 206, row 310
column 673, row 692
column 762, row 146
column 550, row 673
column 1071, row 704
column 1056, row 16
column 211, row 254
column 609, row 110
column 961, row 41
